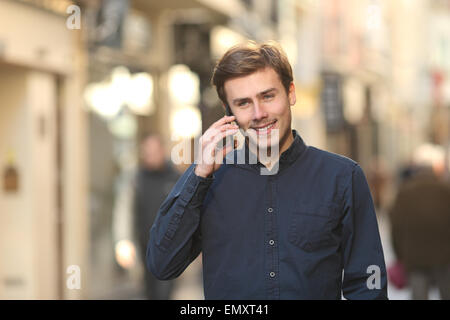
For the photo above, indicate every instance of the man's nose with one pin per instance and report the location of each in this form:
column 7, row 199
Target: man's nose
column 258, row 112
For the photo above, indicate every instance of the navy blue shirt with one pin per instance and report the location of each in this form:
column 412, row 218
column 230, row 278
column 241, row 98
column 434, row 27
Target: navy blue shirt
column 307, row 232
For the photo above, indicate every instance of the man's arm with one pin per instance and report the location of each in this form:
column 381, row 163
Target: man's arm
column 364, row 267
column 175, row 237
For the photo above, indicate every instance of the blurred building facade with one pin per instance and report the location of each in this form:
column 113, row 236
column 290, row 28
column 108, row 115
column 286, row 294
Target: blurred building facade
column 43, row 199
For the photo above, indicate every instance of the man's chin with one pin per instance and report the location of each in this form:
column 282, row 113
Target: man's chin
column 264, row 143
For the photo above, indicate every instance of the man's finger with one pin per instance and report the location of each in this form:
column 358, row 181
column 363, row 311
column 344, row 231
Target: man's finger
column 222, row 135
column 210, row 147
column 222, row 153
column 222, row 121
column 211, row 133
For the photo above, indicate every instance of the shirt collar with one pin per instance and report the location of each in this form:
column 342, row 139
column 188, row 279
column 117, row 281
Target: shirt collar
column 287, row 158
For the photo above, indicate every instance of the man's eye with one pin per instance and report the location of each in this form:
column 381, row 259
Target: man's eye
column 268, row 96
column 242, row 103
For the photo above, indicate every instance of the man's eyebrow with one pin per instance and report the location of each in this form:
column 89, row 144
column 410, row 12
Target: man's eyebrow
column 237, row 100
column 266, row 91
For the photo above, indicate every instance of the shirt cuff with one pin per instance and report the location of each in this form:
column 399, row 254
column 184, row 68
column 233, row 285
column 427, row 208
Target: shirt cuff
column 198, row 187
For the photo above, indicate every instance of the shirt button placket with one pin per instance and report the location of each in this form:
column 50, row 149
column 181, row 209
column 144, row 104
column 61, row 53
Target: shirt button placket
column 270, row 244
column 271, row 248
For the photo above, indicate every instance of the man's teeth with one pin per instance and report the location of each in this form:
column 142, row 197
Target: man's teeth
column 265, row 128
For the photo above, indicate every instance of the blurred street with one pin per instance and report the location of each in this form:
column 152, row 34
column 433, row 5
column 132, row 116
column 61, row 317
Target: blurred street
column 104, row 102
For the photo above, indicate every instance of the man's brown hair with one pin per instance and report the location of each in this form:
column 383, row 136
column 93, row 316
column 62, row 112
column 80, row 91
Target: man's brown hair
column 247, row 58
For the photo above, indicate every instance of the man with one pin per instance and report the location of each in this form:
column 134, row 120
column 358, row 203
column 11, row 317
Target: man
column 154, row 180
column 303, row 228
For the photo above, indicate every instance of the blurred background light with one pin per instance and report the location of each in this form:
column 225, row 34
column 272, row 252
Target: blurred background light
column 354, row 101
column 307, row 101
column 223, row 38
column 430, row 155
column 102, row 100
column 124, row 89
column 140, row 93
column 123, row 126
column 373, row 16
column 125, row 254
column 289, row 45
column 120, row 79
column 183, row 85
column 186, row 123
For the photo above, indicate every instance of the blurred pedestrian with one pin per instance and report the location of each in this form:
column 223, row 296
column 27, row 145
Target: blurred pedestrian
column 154, row 180
column 378, row 179
column 420, row 220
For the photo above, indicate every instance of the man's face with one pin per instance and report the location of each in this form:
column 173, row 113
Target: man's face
column 262, row 107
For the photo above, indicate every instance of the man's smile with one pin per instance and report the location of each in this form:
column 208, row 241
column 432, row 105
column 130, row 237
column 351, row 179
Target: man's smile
column 264, row 129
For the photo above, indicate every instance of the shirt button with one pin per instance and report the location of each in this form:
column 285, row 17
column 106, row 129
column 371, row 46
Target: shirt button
column 272, row 274
column 270, row 210
column 271, row 242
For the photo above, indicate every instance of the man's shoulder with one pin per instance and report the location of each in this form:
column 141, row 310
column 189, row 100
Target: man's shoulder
column 333, row 159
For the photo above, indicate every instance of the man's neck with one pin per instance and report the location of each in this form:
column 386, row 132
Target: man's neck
column 271, row 156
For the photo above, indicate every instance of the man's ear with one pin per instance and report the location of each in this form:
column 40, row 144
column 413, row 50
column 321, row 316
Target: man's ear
column 292, row 96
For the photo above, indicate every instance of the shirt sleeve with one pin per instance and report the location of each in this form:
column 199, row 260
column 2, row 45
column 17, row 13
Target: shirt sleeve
column 175, row 237
column 364, row 267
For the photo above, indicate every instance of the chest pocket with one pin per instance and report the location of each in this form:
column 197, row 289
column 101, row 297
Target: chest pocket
column 311, row 226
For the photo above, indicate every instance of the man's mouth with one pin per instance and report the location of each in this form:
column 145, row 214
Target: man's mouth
column 265, row 129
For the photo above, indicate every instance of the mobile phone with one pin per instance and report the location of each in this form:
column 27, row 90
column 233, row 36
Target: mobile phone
column 228, row 110
column 229, row 113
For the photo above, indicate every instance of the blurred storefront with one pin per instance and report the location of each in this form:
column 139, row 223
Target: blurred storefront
column 43, row 196
column 384, row 79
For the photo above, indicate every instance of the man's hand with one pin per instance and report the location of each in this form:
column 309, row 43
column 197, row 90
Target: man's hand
column 209, row 159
